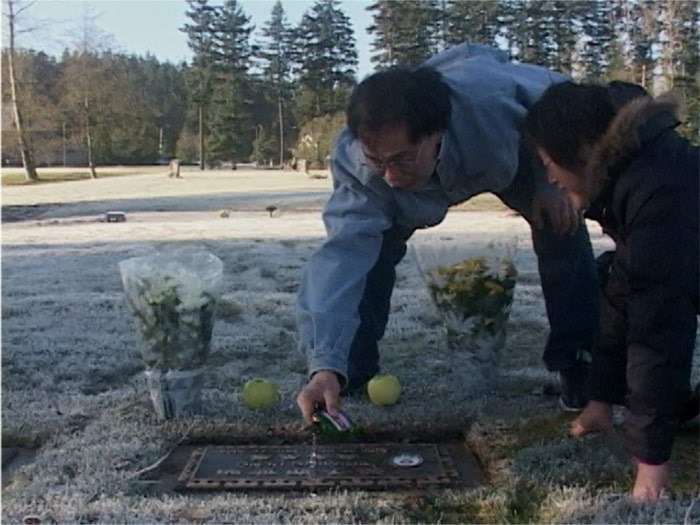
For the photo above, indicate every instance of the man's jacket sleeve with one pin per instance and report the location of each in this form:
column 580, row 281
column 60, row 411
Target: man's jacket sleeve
column 334, row 278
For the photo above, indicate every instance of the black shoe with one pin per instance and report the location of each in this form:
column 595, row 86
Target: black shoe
column 574, row 386
column 356, row 386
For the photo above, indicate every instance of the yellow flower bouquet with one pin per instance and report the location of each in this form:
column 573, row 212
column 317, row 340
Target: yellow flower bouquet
column 475, row 295
column 472, row 287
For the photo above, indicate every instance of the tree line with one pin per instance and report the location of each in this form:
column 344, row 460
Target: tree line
column 279, row 92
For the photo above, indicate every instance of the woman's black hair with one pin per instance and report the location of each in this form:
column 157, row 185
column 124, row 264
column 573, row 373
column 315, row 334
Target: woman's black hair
column 418, row 98
column 568, row 119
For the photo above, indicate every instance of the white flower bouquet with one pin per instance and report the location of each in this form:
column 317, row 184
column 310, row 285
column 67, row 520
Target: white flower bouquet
column 173, row 296
column 472, row 287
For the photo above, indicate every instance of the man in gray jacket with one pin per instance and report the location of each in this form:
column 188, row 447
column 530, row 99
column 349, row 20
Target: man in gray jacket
column 418, row 141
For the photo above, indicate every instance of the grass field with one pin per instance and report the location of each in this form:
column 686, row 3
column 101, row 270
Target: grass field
column 17, row 176
column 74, row 396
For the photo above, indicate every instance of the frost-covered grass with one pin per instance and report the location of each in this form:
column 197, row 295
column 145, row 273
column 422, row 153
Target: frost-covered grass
column 73, row 387
column 16, row 176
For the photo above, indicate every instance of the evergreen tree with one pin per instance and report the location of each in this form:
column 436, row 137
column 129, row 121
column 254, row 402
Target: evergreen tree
column 124, row 101
column 229, row 138
column 200, row 39
column 476, row 22
column 642, row 28
column 168, row 94
column 533, row 25
column 685, row 56
column 92, row 88
column 514, row 28
column 564, row 33
column 36, row 76
column 620, row 59
column 406, row 32
column 615, row 69
column 276, row 54
column 159, row 89
column 601, row 46
column 326, row 60
column 687, row 44
column 571, row 37
column 123, row 129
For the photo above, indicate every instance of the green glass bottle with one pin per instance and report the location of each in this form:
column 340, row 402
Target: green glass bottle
column 328, row 424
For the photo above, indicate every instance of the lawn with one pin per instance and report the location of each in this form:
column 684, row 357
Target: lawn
column 16, row 176
column 74, row 396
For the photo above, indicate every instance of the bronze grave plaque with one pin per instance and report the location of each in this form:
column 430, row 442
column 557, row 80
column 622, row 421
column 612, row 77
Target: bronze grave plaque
column 359, row 465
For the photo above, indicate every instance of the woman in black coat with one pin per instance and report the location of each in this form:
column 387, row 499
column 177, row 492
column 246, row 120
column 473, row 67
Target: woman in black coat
column 614, row 150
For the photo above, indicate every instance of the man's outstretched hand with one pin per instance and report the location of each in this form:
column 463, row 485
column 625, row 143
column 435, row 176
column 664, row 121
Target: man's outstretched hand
column 322, row 389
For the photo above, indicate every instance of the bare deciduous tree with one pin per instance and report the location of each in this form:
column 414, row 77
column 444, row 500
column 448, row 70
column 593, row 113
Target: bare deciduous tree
column 86, row 84
column 13, row 9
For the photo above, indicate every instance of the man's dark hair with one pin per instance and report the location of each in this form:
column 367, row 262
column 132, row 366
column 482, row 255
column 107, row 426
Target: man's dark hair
column 418, row 98
column 567, row 118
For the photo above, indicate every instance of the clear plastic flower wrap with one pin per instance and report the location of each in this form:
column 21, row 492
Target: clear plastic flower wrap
column 472, row 286
column 173, row 296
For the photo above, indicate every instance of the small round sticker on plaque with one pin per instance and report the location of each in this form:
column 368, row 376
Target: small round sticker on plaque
column 406, row 460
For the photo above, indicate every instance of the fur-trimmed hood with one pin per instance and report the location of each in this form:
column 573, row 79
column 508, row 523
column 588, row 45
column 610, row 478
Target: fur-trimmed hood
column 637, row 121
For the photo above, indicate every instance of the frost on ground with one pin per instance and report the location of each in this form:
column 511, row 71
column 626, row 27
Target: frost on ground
column 73, row 385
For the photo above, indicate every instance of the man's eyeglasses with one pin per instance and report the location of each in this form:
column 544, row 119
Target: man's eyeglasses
column 401, row 164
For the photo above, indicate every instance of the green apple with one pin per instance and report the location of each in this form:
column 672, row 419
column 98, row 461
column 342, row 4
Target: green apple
column 260, row 393
column 384, row 389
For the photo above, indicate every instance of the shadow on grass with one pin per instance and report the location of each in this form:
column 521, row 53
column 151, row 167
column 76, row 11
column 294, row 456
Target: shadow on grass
column 207, row 202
